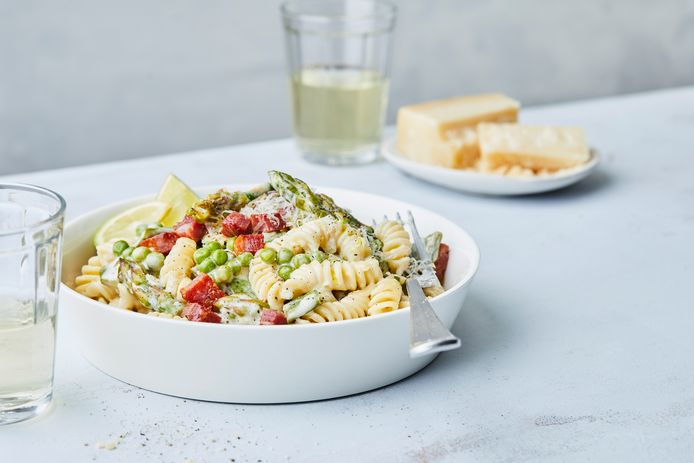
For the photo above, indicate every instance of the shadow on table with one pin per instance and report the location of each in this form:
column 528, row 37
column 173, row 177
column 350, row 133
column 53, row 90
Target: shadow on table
column 480, row 328
column 596, row 183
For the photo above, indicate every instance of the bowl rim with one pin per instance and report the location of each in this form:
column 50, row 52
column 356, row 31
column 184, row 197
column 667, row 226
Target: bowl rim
column 473, row 253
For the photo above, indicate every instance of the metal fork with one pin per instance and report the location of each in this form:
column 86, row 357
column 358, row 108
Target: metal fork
column 427, row 334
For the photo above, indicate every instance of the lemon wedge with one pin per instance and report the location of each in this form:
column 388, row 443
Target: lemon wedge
column 124, row 225
column 177, row 195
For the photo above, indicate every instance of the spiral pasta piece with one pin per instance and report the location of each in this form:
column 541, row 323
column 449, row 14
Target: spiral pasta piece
column 397, row 246
column 177, row 265
column 265, row 283
column 433, row 291
column 384, row 296
column 126, row 300
column 340, row 275
column 430, row 292
column 105, row 252
column 353, row 305
column 328, row 234
column 89, row 282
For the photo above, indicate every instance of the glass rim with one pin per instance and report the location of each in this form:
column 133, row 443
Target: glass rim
column 290, row 10
column 42, row 191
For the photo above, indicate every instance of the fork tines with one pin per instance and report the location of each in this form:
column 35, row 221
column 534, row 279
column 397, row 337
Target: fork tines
column 419, row 248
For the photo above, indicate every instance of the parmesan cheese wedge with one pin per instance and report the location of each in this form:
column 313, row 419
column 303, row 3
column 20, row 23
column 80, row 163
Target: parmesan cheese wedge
column 443, row 132
column 531, row 147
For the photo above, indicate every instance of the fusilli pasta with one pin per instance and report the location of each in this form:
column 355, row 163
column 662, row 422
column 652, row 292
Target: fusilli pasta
column 384, row 296
column 433, row 291
column 339, row 275
column 265, row 283
column 397, row 246
column 177, row 265
column 126, row 300
column 328, row 234
column 354, row 305
column 89, row 282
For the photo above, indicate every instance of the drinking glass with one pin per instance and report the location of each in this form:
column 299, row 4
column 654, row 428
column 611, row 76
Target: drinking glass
column 338, row 55
column 31, row 228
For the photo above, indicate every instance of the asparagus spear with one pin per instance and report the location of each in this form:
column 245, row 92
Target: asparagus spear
column 302, row 305
column 134, row 278
column 432, row 243
column 298, row 193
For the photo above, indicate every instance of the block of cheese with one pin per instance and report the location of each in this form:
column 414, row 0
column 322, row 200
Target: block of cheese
column 532, row 147
column 443, row 132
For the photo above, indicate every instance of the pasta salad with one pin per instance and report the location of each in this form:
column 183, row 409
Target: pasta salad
column 280, row 253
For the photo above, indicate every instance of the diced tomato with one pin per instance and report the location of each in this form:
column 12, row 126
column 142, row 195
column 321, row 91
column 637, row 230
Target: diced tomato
column 202, row 290
column 236, row 224
column 249, row 243
column 441, row 263
column 272, row 317
column 190, row 228
column 264, row 223
column 163, row 242
column 198, row 313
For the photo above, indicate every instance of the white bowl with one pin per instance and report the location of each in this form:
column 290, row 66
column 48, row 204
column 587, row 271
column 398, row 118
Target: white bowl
column 258, row 364
column 487, row 183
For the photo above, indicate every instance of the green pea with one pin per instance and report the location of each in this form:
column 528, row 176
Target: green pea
column 201, row 254
column 299, row 260
column 139, row 253
column 245, row 258
column 268, row 255
column 222, row 274
column 230, row 243
column 154, row 261
column 126, row 254
column 235, row 266
column 213, row 245
column 319, row 255
column 219, row 256
column 120, row 246
column 285, row 271
column 207, row 265
column 284, row 256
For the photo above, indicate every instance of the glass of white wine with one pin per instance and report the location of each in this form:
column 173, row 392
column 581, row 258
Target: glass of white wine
column 338, row 53
column 31, row 230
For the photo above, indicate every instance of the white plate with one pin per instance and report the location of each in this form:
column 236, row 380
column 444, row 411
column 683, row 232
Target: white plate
column 258, row 364
column 490, row 184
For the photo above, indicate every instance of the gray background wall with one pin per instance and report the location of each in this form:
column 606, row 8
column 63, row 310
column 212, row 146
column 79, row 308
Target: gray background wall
column 85, row 81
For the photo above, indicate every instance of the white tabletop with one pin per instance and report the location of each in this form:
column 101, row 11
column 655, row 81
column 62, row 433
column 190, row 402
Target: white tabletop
column 577, row 333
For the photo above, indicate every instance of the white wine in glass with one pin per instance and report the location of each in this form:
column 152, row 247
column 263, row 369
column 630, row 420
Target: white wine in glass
column 338, row 110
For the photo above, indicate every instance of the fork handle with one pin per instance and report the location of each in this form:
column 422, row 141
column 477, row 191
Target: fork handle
column 427, row 334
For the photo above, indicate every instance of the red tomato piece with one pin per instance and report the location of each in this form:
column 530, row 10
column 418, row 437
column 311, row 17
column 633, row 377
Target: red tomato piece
column 202, row 290
column 190, row 228
column 198, row 313
column 236, row 224
column 441, row 263
column 163, row 242
column 265, row 223
column 249, row 243
column 272, row 317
